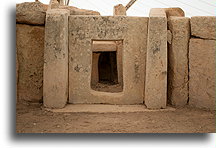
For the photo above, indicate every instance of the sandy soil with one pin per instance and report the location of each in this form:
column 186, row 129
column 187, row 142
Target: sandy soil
column 32, row 118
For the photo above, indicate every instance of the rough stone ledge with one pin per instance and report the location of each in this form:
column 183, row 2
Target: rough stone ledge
column 34, row 13
column 196, row 37
column 25, row 23
column 31, row 13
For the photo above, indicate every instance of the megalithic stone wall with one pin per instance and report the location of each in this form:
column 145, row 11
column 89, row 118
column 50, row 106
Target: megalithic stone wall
column 55, row 82
column 198, row 57
column 156, row 60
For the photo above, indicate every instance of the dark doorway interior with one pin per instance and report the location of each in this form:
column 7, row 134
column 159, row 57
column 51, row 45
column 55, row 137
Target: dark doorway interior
column 107, row 68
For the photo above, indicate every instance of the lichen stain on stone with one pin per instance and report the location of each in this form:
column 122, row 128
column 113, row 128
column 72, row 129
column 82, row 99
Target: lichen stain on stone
column 77, row 68
column 155, row 50
column 136, row 69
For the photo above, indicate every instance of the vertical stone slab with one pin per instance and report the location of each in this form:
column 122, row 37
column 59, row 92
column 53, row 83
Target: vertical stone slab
column 202, row 73
column 156, row 60
column 178, row 60
column 55, row 82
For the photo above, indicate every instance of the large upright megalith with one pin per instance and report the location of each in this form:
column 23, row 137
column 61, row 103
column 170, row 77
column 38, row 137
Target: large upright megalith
column 156, row 60
column 55, row 82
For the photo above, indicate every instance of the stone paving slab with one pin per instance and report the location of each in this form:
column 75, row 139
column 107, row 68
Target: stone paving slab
column 105, row 108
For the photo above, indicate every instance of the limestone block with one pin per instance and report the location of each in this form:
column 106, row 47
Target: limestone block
column 174, row 12
column 156, row 62
column 203, row 27
column 30, row 53
column 104, row 46
column 119, row 10
column 55, row 90
column 178, row 61
column 130, row 35
column 202, row 73
column 31, row 13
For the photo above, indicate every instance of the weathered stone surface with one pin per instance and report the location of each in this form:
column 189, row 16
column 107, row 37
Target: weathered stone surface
column 174, row 12
column 55, row 82
column 178, row 61
column 203, row 27
column 77, row 11
column 30, row 51
column 202, row 73
column 119, row 10
column 132, row 32
column 73, row 10
column 156, row 62
column 31, row 13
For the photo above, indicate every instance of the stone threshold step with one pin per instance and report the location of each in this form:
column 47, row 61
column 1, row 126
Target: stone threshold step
column 105, row 108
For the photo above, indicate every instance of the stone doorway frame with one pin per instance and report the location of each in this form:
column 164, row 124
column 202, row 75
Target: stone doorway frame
column 106, row 46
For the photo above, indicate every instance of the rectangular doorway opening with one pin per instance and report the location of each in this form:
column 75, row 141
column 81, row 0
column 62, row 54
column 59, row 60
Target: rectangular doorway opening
column 106, row 73
column 107, row 68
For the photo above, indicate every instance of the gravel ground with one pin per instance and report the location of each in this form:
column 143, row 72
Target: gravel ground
column 32, row 118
